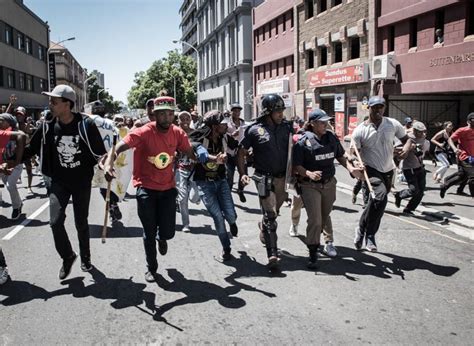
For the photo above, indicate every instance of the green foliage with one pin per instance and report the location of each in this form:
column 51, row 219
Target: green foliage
column 162, row 74
column 111, row 106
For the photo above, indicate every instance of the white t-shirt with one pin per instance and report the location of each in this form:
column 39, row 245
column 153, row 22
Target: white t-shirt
column 376, row 145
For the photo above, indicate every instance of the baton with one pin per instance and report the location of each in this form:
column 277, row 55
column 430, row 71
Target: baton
column 366, row 176
column 107, row 195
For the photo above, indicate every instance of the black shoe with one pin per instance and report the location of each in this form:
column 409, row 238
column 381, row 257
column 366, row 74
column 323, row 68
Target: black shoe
column 66, row 267
column 358, row 239
column 241, row 196
column 162, row 247
column 16, row 213
column 118, row 213
column 313, row 256
column 234, row 230
column 86, row 265
column 442, row 191
column 408, row 212
column 462, row 193
column 226, row 256
column 398, row 200
column 354, row 198
column 150, row 276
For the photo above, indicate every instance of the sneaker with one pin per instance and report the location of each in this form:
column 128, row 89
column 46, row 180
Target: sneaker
column 241, row 196
column 398, row 200
column 66, row 267
column 16, row 213
column 162, row 247
column 354, row 198
column 330, row 249
column 408, row 212
column 3, row 275
column 293, row 231
column 226, row 256
column 150, row 276
column 442, row 191
column 371, row 245
column 86, row 265
column 273, row 262
column 234, row 230
column 358, row 239
column 115, row 213
column 186, row 229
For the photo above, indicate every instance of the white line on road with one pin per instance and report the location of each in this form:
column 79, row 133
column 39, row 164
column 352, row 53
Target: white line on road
column 18, row 228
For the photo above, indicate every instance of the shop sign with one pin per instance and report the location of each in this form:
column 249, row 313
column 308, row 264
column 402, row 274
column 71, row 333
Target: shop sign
column 339, row 102
column 352, row 125
column 452, row 59
column 339, row 119
column 52, row 71
column 353, row 101
column 288, row 98
column 338, row 76
column 276, row 86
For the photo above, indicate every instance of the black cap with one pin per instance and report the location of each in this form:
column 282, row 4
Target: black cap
column 318, row 115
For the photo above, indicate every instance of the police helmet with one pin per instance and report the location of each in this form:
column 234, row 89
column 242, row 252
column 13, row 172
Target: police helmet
column 272, row 103
column 98, row 108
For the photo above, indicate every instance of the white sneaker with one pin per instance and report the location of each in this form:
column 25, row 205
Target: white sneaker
column 293, row 231
column 3, row 275
column 330, row 249
column 186, row 229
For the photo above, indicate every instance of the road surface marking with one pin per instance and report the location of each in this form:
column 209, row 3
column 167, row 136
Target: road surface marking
column 18, row 228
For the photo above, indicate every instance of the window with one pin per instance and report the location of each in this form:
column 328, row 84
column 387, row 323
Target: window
column 20, row 41
column 309, row 8
column 284, row 22
column 337, row 2
column 355, row 48
column 413, row 32
column 29, row 82
column 1, row 76
column 41, row 52
column 269, row 26
column 257, row 36
column 11, row 79
column 21, row 80
column 291, row 19
column 275, row 22
column 309, row 59
column 470, row 18
column 323, row 6
column 391, row 39
column 42, row 84
column 9, row 35
column 292, row 64
column 337, row 52
column 28, row 45
column 323, row 56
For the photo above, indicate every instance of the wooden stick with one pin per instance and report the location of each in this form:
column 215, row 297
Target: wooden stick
column 107, row 195
column 366, row 176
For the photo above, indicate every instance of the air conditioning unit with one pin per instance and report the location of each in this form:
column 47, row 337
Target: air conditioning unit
column 384, row 67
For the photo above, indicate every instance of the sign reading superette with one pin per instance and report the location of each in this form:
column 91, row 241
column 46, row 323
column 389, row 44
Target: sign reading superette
column 338, row 76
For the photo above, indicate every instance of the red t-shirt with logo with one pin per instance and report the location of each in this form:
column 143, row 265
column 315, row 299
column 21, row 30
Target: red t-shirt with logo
column 465, row 138
column 5, row 136
column 154, row 167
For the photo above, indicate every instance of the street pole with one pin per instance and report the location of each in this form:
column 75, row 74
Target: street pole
column 47, row 57
column 99, row 91
column 85, row 88
column 197, row 69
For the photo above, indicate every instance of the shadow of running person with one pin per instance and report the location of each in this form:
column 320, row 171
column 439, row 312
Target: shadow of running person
column 18, row 292
column 196, row 292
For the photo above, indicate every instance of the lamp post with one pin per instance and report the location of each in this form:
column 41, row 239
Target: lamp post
column 99, row 91
column 197, row 69
column 85, row 88
column 47, row 56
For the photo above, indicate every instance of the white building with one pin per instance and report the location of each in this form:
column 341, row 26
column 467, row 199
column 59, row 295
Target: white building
column 224, row 42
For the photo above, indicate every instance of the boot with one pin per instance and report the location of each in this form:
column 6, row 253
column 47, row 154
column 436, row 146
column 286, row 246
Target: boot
column 313, row 256
column 272, row 249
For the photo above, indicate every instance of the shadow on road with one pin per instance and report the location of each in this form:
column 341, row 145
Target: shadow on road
column 118, row 230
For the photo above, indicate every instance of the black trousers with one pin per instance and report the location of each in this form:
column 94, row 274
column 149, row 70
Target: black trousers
column 369, row 222
column 416, row 180
column 58, row 201
column 463, row 176
column 113, row 197
column 3, row 263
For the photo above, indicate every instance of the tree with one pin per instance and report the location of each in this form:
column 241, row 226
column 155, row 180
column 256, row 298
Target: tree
column 163, row 74
column 110, row 105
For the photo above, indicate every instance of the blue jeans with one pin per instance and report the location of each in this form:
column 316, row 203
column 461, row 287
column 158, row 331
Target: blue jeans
column 157, row 213
column 218, row 201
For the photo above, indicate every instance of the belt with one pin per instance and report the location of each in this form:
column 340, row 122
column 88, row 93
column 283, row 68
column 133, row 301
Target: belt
column 278, row 175
column 322, row 181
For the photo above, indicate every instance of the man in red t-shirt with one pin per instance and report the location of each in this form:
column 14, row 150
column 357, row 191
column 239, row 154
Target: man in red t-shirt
column 464, row 137
column 153, row 176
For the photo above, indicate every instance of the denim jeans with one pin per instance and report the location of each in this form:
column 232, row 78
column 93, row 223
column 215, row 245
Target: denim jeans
column 58, row 201
column 157, row 213
column 10, row 182
column 187, row 191
column 218, row 201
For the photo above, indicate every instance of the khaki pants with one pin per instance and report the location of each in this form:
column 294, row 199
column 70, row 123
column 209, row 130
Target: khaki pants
column 319, row 200
column 296, row 206
column 272, row 204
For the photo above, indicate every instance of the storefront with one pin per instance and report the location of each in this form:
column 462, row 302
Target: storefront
column 342, row 92
column 277, row 86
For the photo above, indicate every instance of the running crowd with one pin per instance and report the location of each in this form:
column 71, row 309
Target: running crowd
column 183, row 157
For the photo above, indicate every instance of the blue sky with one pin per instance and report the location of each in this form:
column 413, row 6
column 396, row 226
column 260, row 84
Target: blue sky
column 116, row 37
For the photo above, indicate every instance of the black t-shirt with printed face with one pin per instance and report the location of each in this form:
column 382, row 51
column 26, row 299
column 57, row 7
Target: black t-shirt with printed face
column 211, row 170
column 316, row 154
column 73, row 161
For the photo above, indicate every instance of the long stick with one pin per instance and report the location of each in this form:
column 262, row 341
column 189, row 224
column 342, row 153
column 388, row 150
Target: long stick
column 366, row 176
column 107, row 195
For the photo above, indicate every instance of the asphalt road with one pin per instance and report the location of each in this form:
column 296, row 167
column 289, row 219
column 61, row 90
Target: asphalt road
column 418, row 289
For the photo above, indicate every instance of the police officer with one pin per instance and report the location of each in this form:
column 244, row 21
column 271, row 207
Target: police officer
column 269, row 138
column 313, row 160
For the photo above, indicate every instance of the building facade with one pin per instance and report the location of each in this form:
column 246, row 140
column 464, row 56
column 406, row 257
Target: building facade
column 66, row 70
column 431, row 44
column 100, row 78
column 188, row 27
column 224, row 42
column 274, row 52
column 334, row 39
column 24, row 40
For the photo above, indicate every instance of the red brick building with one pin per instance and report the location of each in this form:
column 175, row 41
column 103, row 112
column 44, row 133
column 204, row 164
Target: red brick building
column 431, row 46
